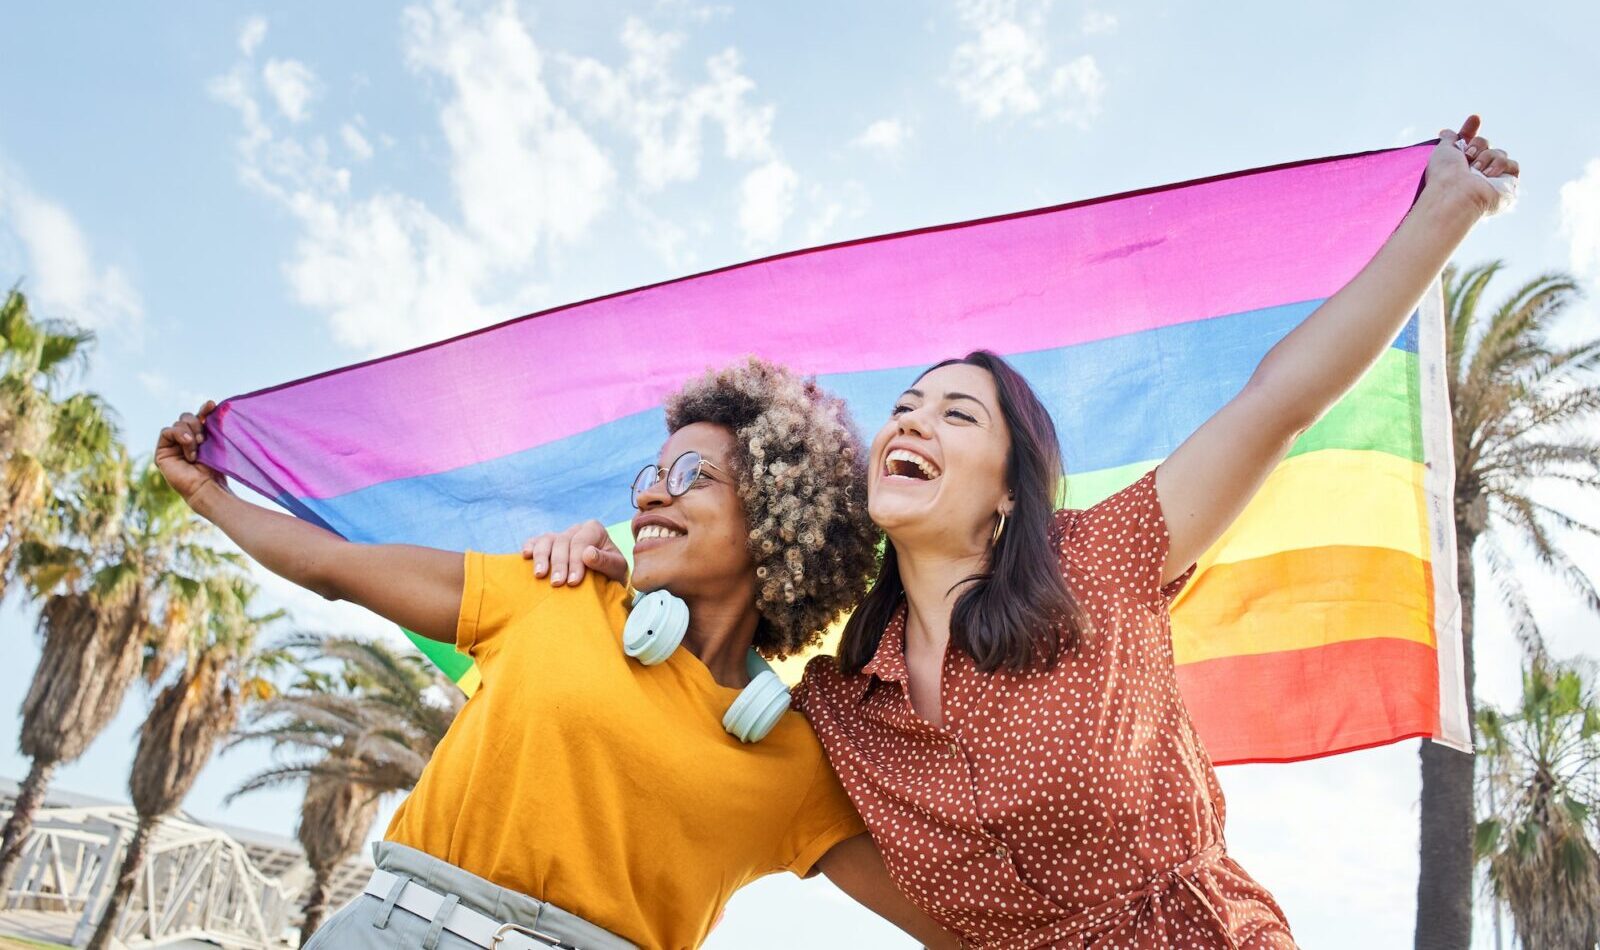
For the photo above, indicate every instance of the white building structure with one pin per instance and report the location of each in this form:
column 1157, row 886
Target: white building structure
column 203, row 885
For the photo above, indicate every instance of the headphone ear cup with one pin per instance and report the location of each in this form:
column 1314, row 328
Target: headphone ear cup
column 655, row 627
column 759, row 708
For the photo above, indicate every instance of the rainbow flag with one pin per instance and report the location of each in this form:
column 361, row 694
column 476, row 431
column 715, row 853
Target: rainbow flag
column 1325, row 620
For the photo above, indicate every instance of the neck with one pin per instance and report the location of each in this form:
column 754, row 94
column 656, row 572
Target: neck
column 933, row 582
column 721, row 632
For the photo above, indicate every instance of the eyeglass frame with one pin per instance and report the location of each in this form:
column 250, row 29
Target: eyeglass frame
column 665, row 474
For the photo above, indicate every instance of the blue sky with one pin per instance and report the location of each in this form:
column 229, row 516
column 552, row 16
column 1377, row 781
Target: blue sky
column 235, row 195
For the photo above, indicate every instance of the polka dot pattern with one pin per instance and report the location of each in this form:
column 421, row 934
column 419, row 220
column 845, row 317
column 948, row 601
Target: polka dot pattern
column 1064, row 807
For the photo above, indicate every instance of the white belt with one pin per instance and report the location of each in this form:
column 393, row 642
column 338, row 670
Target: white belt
column 463, row 921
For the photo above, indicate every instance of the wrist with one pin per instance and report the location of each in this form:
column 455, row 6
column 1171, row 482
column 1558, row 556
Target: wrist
column 204, row 500
column 1449, row 202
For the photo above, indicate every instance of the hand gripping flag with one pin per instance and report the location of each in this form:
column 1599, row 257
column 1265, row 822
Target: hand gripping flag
column 1325, row 620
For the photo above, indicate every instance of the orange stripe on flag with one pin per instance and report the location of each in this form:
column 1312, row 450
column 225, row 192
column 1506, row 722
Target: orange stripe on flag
column 1303, row 598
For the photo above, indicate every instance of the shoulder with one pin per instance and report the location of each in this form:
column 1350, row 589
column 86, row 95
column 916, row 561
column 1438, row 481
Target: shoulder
column 824, row 686
column 509, row 587
column 1130, row 508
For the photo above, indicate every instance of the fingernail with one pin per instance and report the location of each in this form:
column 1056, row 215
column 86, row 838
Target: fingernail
column 538, row 566
column 555, row 578
column 1472, row 150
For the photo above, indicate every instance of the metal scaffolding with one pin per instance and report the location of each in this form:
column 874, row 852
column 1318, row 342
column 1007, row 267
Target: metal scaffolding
column 197, row 882
column 226, row 886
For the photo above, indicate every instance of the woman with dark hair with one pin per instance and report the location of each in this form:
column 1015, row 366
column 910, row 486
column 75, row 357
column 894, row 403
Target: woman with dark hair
column 1004, row 709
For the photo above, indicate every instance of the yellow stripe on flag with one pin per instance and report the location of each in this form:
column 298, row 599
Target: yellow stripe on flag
column 1335, row 497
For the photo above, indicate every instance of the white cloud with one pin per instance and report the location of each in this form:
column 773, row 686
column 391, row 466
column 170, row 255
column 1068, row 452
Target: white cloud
column 1078, row 87
column 766, row 200
column 355, row 143
column 523, row 169
column 1363, row 837
column 1096, row 21
column 41, row 242
column 831, row 210
column 667, row 118
column 292, row 84
column 1580, row 221
column 885, row 136
column 251, row 34
column 1004, row 68
column 529, row 171
column 388, row 270
column 669, row 239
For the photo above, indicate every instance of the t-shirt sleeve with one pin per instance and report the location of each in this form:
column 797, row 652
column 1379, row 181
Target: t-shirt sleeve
column 1124, row 540
column 498, row 588
column 825, row 818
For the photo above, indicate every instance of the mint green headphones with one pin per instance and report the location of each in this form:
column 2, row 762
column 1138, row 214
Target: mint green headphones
column 655, row 628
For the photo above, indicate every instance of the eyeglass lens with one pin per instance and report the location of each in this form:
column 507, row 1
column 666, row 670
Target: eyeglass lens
column 680, row 476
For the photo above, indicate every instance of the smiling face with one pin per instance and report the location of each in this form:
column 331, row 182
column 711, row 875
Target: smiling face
column 694, row 545
column 938, row 474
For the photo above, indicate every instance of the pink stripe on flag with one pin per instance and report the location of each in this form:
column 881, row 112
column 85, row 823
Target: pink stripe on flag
column 1018, row 283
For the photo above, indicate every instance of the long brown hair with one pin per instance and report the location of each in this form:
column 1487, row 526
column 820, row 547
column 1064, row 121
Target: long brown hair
column 1019, row 610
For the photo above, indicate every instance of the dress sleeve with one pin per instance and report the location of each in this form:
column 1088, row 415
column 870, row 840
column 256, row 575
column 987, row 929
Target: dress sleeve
column 805, row 695
column 824, row 819
column 1123, row 540
column 498, row 588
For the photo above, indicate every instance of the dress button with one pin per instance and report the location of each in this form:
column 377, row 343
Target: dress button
column 1001, row 852
column 954, row 747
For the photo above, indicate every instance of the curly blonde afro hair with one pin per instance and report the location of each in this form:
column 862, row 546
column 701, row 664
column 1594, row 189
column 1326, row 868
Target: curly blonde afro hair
column 801, row 472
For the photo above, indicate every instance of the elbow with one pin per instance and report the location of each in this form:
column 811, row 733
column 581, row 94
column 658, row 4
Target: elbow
column 316, row 571
column 1283, row 408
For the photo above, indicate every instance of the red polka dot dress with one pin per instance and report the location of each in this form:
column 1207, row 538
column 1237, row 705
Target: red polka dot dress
column 1068, row 807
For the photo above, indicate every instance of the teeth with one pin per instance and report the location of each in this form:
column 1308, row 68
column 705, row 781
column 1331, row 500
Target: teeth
column 928, row 469
column 650, row 531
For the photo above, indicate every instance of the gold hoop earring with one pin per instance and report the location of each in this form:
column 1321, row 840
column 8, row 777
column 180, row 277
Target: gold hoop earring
column 999, row 529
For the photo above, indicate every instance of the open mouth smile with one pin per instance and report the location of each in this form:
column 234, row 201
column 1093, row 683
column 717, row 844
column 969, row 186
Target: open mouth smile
column 654, row 533
column 909, row 465
column 650, row 532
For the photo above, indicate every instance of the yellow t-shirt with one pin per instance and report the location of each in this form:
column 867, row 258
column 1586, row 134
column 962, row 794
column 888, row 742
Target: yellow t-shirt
column 606, row 787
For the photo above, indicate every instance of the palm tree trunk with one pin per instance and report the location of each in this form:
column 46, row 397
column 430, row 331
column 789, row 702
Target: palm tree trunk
column 1444, row 879
column 127, row 876
column 316, row 902
column 29, row 797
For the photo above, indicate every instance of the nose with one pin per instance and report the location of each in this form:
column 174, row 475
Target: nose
column 913, row 423
column 656, row 496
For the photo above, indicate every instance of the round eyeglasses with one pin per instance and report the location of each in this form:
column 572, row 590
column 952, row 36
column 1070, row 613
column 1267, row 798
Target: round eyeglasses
column 681, row 475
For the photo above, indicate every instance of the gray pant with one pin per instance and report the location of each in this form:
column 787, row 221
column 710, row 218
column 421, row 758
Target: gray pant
column 373, row 923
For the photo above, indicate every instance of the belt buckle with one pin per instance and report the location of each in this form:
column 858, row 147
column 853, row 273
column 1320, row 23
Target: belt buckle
column 549, row 940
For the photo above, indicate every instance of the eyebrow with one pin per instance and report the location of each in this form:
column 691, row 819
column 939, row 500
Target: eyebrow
column 919, row 394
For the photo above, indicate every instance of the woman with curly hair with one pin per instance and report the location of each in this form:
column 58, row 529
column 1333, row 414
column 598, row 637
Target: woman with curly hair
column 584, row 799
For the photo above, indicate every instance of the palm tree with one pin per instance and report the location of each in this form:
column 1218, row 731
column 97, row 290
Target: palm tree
column 356, row 732
column 188, row 718
column 1520, row 405
column 44, row 436
column 1542, row 765
column 120, row 582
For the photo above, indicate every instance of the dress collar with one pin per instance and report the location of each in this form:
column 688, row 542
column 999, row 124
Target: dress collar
column 888, row 663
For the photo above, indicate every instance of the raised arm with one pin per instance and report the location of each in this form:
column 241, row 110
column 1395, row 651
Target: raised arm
column 417, row 588
column 855, row 867
column 1208, row 480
